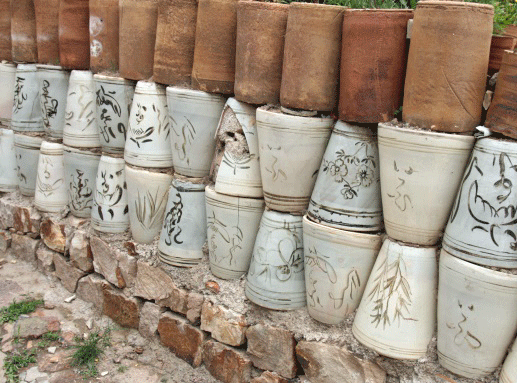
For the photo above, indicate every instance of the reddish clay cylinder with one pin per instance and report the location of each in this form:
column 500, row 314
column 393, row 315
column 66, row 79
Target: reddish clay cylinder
column 259, row 51
column 175, row 41
column 137, row 37
column 104, row 34
column 511, row 30
column 373, row 64
column 5, row 31
column 497, row 47
column 47, row 30
column 311, row 56
column 74, row 36
column 213, row 69
column 447, row 65
column 23, row 31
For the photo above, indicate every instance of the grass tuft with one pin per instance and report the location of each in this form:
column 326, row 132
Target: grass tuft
column 89, row 350
column 12, row 312
column 14, row 362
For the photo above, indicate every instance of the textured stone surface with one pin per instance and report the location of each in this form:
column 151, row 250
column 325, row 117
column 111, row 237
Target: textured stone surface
column 80, row 251
column 105, row 262
column 152, row 283
column 26, row 220
column 269, row 377
column 53, row 235
column 67, row 273
column 194, row 307
column 6, row 214
column 224, row 324
column 123, row 310
column 226, row 363
column 89, row 289
column 5, row 240
column 45, row 259
column 25, row 248
column 149, row 318
column 177, row 301
column 55, row 362
column 35, row 327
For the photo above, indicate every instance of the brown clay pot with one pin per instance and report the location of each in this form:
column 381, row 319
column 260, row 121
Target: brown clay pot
column 498, row 45
column 175, row 40
column 259, row 51
column 447, row 65
column 213, row 69
column 74, row 34
column 104, row 34
column 5, row 31
column 23, row 31
column 311, row 56
column 511, row 30
column 47, row 30
column 373, row 64
column 137, row 30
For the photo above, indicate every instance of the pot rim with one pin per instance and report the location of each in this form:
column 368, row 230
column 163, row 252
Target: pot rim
column 193, row 94
column 26, row 68
column 84, row 151
column 48, row 147
column 5, row 65
column 33, row 142
column 259, row 5
column 48, row 67
column 112, row 79
column 81, row 75
column 232, row 200
column 149, row 87
column 112, row 160
column 452, row 5
column 301, row 123
column 312, row 6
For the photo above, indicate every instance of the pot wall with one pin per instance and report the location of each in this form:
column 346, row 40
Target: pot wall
column 8, row 170
column 27, row 150
column 104, row 35
column 74, row 40
column 47, row 30
column 5, row 31
column 23, row 31
column 8, row 80
column 26, row 116
column 51, row 194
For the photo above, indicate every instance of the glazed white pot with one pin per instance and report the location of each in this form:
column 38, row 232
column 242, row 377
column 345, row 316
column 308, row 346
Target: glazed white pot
column 7, row 79
column 193, row 116
column 420, row 174
column 397, row 313
column 27, row 150
column 291, row 148
column 347, row 193
column 477, row 316
column 337, row 266
column 110, row 212
column 147, row 142
column 183, row 231
column 276, row 277
column 239, row 172
column 147, row 197
column 53, row 90
column 482, row 226
column 26, row 116
column 51, row 193
column 8, row 169
column 113, row 99
column 232, row 226
column 80, row 129
column 509, row 371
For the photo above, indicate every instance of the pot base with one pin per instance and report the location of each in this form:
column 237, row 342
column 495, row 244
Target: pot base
column 275, row 300
column 180, row 261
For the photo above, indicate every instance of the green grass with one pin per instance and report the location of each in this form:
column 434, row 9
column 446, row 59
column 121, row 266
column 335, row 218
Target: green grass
column 12, row 312
column 89, row 350
column 122, row 369
column 14, row 362
column 48, row 338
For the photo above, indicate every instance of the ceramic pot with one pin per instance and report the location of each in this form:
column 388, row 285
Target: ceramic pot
column 396, row 316
column 420, row 174
column 291, row 148
column 175, row 40
column 5, row 31
column 213, row 69
column 80, row 129
column 8, row 170
column 509, row 371
column 53, row 91
column 471, row 301
column 74, row 36
column 337, row 266
column 114, row 96
column 373, row 64
column 447, row 65
column 193, row 116
column 51, row 193
column 232, row 226
column 147, row 142
column 482, row 225
column 23, row 31
column 80, row 175
column 27, row 149
column 498, row 45
column 110, row 212
column 47, row 30
column 137, row 29
column 259, row 51
column 104, row 35
column 8, row 80
column 511, row 30
column 183, row 233
column 238, row 171
column 347, row 193
column 147, row 198
column 26, row 116
column 312, row 42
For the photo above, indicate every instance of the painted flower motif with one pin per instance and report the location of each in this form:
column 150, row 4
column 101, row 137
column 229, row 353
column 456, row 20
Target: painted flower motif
column 365, row 176
column 348, row 192
column 338, row 170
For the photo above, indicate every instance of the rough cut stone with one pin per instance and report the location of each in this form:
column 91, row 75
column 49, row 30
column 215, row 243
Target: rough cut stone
column 105, row 262
column 35, row 327
column 224, row 324
column 80, row 252
column 5, row 240
column 269, row 377
column 6, row 214
column 149, row 318
column 152, row 283
column 226, row 363
column 45, row 259
column 67, row 273
column 89, row 289
column 184, row 340
column 25, row 220
column 123, row 310
column 25, row 248
column 272, row 348
column 194, row 307
column 177, row 301
column 53, row 235
column 127, row 267
column 56, row 362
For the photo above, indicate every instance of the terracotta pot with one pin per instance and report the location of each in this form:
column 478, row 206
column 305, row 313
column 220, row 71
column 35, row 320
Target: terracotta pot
column 26, row 115
column 8, row 80
column 51, row 189
column 373, row 64
column 47, row 30
column 259, row 51
column 447, row 65
column 74, row 40
column 5, row 31
column 137, row 29
column 213, row 69
column 175, row 38
column 497, row 47
column 23, row 31
column 312, row 42
column 511, row 30
column 104, row 34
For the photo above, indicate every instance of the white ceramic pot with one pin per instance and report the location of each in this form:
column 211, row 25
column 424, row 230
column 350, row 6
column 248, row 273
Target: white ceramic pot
column 114, row 96
column 8, row 169
column 482, row 226
column 53, row 90
column 420, row 174
column 337, row 266
column 26, row 116
column 509, row 371
column 51, row 193
column 80, row 129
column 477, row 316
column 147, row 197
column 347, row 193
column 184, row 225
column 147, row 142
column 291, row 148
column 232, row 226
column 7, row 79
column 397, row 314
column 110, row 212
column 276, row 277
column 27, row 150
column 239, row 170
